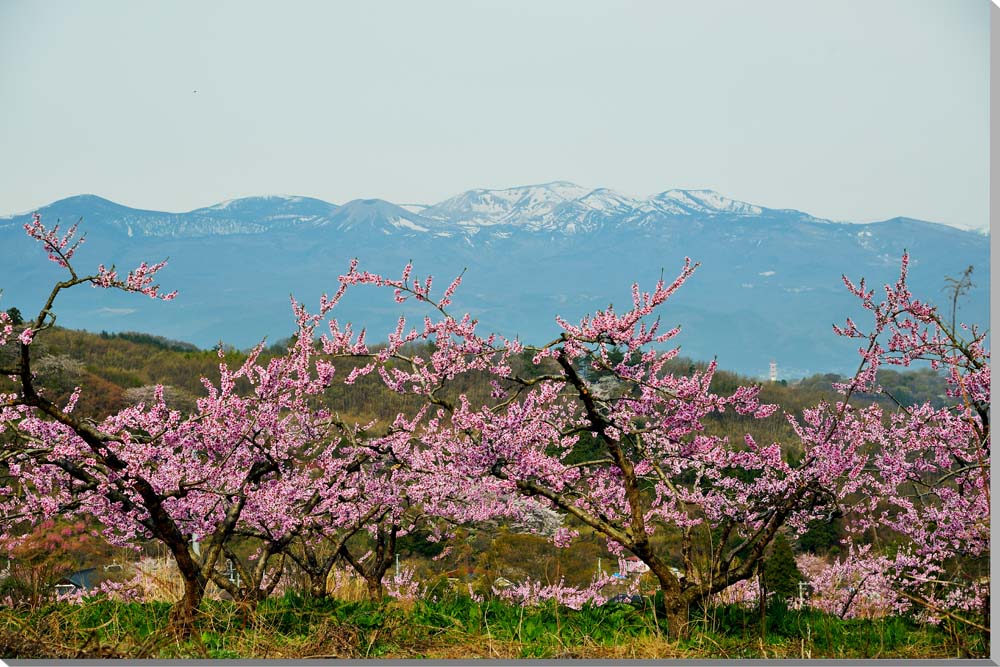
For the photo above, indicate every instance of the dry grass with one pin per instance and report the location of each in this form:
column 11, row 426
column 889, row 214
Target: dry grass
column 642, row 648
column 345, row 585
column 159, row 580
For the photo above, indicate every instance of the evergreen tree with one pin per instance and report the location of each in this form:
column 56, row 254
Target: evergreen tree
column 781, row 574
column 822, row 537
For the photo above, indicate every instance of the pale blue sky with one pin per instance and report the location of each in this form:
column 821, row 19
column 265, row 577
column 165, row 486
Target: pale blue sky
column 848, row 109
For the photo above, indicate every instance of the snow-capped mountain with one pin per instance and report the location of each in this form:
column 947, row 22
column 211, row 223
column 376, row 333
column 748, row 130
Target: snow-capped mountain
column 768, row 286
column 530, row 207
column 566, row 207
column 559, row 207
column 694, row 202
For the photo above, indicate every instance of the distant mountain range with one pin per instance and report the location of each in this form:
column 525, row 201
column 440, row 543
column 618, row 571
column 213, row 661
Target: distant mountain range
column 769, row 286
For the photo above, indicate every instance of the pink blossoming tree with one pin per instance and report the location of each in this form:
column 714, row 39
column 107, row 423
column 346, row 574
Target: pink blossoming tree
column 922, row 472
column 654, row 467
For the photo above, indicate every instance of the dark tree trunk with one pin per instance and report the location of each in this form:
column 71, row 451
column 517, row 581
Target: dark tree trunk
column 675, row 604
column 184, row 611
column 677, row 611
column 182, row 616
column 678, row 619
column 375, row 590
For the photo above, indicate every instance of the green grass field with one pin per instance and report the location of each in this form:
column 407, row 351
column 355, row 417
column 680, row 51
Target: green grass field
column 458, row 627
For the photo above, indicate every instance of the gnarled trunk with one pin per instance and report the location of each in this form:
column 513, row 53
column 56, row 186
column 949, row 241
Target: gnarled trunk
column 374, row 572
column 678, row 618
column 376, row 592
column 184, row 611
column 676, row 606
column 182, row 615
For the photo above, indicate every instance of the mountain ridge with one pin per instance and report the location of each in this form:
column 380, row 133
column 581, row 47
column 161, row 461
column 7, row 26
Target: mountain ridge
column 769, row 285
column 537, row 207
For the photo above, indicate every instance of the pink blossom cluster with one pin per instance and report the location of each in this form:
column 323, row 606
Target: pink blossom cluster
column 123, row 591
column 857, row 586
column 745, row 593
column 138, row 280
column 403, row 586
column 60, row 249
column 6, row 328
column 531, row 593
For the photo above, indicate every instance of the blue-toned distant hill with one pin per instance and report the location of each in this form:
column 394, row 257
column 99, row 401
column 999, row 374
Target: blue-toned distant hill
column 769, row 286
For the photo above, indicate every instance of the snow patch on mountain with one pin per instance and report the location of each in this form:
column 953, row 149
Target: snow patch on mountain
column 603, row 199
column 703, row 201
column 407, row 224
column 249, row 202
column 530, row 206
column 568, row 208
